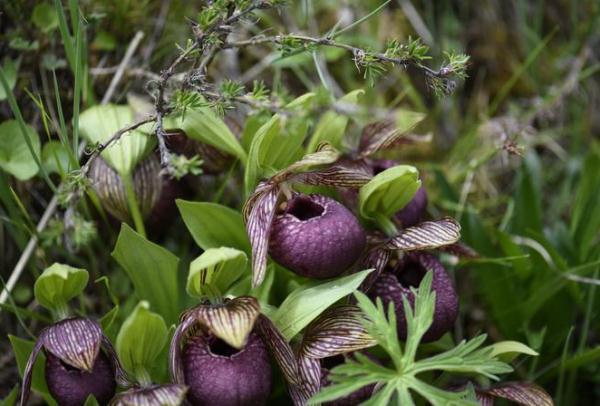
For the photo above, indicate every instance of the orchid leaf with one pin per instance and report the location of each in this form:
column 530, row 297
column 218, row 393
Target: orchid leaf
column 15, row 156
column 152, row 269
column 205, row 126
column 331, row 127
column 307, row 302
column 213, row 225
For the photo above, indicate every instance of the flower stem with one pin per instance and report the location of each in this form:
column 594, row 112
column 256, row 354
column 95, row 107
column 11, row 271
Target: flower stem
column 142, row 376
column 134, row 208
column 386, row 225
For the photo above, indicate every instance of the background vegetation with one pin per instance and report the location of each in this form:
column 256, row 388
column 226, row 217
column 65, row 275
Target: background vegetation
column 514, row 156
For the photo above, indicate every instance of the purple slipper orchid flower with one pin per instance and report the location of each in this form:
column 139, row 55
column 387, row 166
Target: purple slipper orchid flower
column 221, row 353
column 80, row 361
column 393, row 286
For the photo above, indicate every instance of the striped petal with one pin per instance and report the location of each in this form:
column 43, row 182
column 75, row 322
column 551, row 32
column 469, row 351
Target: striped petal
column 377, row 258
column 120, row 374
column 156, row 395
column 310, row 373
column 426, row 235
column 337, row 175
column 387, row 134
column 175, row 361
column 324, row 155
column 522, row 393
column 338, row 330
column 258, row 227
column 74, row 341
column 28, row 372
column 232, row 321
column 280, row 349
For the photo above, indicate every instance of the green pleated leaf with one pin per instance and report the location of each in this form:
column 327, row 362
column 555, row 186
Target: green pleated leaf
column 217, row 267
column 389, row 191
column 58, row 284
column 213, row 225
column 426, row 235
column 276, row 144
column 338, row 330
column 307, row 302
column 203, row 125
column 99, row 123
column 141, row 339
column 152, row 269
column 263, row 137
column 331, row 128
column 15, row 156
column 232, row 322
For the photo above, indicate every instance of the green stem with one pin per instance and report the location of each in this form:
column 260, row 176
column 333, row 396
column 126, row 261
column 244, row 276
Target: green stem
column 386, row 225
column 134, row 208
column 62, row 311
column 142, row 376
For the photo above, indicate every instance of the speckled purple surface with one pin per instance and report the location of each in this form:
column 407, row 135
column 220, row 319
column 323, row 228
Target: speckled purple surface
column 243, row 378
column 71, row 387
column 320, row 247
column 391, row 287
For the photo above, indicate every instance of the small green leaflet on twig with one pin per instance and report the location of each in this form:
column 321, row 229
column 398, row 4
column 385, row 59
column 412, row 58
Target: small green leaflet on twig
column 400, row 380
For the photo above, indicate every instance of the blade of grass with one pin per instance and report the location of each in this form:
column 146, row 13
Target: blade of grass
column 361, row 20
column 78, row 80
column 65, row 35
column 62, row 134
column 561, row 377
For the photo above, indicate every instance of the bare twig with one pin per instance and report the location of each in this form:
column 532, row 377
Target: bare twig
column 358, row 53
